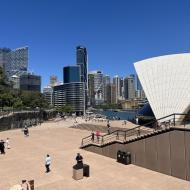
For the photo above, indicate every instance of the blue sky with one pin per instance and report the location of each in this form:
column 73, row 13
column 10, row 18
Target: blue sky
column 117, row 33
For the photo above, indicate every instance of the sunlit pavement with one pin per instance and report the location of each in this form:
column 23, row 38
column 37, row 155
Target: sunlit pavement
column 25, row 160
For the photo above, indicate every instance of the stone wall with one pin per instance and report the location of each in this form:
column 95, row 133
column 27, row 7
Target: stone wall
column 20, row 119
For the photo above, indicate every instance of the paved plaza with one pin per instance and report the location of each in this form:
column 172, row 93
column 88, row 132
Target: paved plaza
column 25, row 160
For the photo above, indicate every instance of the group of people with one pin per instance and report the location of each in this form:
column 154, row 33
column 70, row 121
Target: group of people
column 4, row 145
column 97, row 134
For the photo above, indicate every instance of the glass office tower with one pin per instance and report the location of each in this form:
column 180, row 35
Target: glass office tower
column 71, row 74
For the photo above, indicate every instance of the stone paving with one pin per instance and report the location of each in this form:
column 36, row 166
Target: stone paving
column 25, row 160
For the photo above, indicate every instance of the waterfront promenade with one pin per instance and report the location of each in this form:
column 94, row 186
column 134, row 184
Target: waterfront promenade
column 25, row 160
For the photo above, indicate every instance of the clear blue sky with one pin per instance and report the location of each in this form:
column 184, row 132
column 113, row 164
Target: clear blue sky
column 117, row 33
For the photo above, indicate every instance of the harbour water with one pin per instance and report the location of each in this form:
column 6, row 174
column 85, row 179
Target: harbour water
column 123, row 115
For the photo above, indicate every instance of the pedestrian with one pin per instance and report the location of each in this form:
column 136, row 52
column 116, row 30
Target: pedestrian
column 79, row 160
column 2, row 147
column 26, row 131
column 108, row 126
column 92, row 138
column 98, row 136
column 47, row 163
column 7, row 142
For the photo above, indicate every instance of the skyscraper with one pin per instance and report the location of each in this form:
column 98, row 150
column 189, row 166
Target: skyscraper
column 129, row 87
column 14, row 62
column 116, row 82
column 4, row 52
column 71, row 74
column 73, row 89
column 91, row 92
column 106, row 83
column 96, row 85
column 82, row 62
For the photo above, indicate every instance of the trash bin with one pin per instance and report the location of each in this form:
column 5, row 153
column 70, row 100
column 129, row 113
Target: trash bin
column 126, row 158
column 86, row 170
column 77, row 172
column 119, row 156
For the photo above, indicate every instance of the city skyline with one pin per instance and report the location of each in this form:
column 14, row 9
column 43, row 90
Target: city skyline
column 115, row 33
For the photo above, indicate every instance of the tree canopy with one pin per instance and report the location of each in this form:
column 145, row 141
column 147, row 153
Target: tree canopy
column 10, row 97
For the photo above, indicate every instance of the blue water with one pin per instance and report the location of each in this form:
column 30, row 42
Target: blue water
column 123, row 115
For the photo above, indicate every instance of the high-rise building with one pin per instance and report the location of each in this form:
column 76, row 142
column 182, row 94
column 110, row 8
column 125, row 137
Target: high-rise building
column 48, row 94
column 106, row 84
column 58, row 94
column 53, row 80
column 30, row 82
column 82, row 61
column 73, row 95
column 4, row 58
column 14, row 62
column 129, row 87
column 71, row 74
column 113, row 89
column 98, row 87
column 72, row 92
column 91, row 92
column 122, row 88
column 116, row 82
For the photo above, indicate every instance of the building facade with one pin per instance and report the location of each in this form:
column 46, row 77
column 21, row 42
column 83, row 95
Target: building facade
column 82, row 62
column 30, row 82
column 71, row 74
column 48, row 94
column 73, row 95
column 91, row 92
column 58, row 94
column 14, row 62
column 53, row 80
column 116, row 82
column 106, row 84
column 129, row 87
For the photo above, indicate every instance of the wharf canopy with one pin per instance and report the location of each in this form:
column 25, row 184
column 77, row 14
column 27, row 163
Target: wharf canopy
column 166, row 82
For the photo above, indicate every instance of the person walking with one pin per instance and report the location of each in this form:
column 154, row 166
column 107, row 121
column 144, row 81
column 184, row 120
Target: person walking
column 98, row 136
column 47, row 163
column 2, row 147
column 7, row 142
column 108, row 126
column 92, row 138
column 26, row 131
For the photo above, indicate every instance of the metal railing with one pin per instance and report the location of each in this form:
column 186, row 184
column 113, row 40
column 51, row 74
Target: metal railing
column 158, row 125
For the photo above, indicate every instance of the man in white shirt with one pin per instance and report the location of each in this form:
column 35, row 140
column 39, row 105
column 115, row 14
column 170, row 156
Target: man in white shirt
column 47, row 163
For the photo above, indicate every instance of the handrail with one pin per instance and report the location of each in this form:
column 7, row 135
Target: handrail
column 134, row 130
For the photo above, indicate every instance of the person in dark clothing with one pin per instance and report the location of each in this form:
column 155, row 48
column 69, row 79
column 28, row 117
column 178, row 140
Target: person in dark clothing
column 79, row 160
column 2, row 147
column 26, row 131
column 108, row 126
column 92, row 138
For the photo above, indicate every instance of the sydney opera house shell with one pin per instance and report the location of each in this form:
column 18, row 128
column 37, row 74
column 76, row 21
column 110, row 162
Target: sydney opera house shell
column 166, row 82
